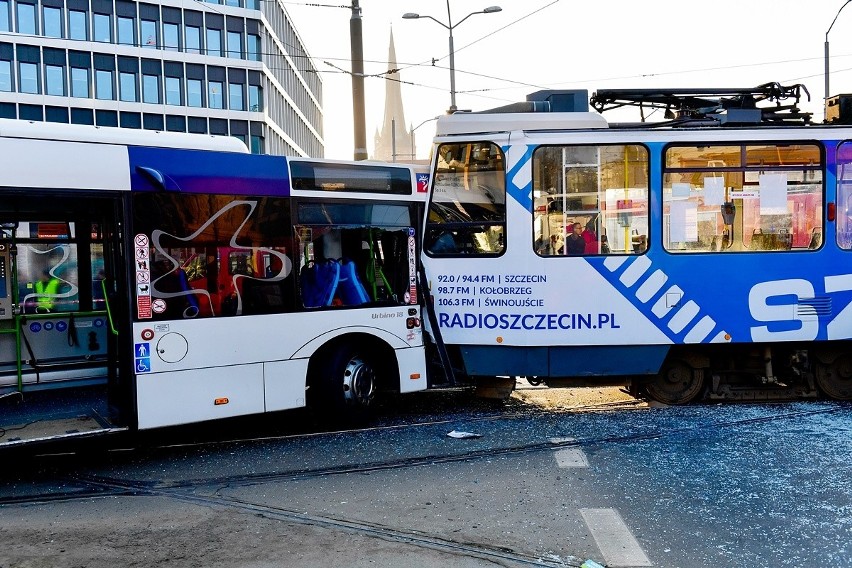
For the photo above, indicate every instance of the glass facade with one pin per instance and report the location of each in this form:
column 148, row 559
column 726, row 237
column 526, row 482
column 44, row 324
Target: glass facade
column 235, row 97
column 26, row 19
column 150, row 89
column 102, row 28
column 91, row 67
column 54, row 80
column 214, row 42
column 52, row 21
column 173, row 91
column 214, row 95
column 148, row 33
column 28, row 79
column 5, row 75
column 79, row 82
column 103, row 85
column 4, row 16
column 126, row 31
column 78, row 27
column 193, row 93
column 127, row 87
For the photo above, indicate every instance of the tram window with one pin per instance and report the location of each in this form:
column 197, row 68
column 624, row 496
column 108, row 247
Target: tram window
column 216, row 255
column 600, row 190
column 467, row 211
column 740, row 198
column 844, row 196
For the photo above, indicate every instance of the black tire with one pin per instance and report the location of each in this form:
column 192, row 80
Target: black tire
column 344, row 383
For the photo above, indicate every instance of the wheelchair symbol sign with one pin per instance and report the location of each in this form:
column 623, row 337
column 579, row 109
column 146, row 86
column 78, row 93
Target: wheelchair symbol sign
column 143, row 365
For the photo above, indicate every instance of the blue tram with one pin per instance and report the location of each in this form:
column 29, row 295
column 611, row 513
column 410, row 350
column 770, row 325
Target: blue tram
column 705, row 255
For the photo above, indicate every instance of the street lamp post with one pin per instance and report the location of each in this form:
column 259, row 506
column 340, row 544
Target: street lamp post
column 826, row 48
column 450, row 27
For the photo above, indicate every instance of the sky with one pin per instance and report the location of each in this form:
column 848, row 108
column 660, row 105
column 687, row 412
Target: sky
column 566, row 44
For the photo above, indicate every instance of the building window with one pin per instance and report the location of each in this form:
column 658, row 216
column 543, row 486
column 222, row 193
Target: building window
column 255, row 98
column 80, row 82
column 256, row 144
column 214, row 42
column 127, row 87
column 5, row 75
column 4, row 16
column 102, row 28
column 193, row 93
column 52, row 21
column 26, row 19
column 253, row 45
column 235, row 3
column 235, row 45
column 235, row 97
column 173, row 91
column 193, row 39
column 214, row 94
column 126, row 31
column 28, row 81
column 54, row 78
column 103, row 85
column 150, row 89
column 171, row 35
column 149, row 33
column 78, row 27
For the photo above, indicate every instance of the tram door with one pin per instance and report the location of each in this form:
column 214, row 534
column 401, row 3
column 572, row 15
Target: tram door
column 60, row 308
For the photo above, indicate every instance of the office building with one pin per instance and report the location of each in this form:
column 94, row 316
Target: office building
column 237, row 68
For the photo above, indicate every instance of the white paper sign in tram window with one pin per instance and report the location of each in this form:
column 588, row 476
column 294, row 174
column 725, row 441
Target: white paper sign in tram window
column 714, row 190
column 681, row 189
column 683, row 222
column 773, row 194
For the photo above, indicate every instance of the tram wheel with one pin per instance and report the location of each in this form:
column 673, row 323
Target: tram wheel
column 678, row 383
column 835, row 380
column 345, row 383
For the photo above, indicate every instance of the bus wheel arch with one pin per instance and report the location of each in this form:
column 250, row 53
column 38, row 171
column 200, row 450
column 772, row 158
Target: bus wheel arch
column 345, row 374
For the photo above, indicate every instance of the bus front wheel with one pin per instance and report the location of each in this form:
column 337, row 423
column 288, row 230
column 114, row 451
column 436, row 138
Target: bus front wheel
column 344, row 382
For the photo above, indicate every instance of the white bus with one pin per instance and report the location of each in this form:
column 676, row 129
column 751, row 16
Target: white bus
column 155, row 279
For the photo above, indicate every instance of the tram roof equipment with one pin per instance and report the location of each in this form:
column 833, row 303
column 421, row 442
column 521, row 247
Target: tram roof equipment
column 761, row 105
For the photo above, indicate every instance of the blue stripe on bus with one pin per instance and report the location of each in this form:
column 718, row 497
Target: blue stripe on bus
column 196, row 171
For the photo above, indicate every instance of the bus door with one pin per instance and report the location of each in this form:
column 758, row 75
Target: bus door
column 61, row 316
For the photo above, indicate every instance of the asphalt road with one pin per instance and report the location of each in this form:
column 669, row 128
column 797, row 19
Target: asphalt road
column 699, row 486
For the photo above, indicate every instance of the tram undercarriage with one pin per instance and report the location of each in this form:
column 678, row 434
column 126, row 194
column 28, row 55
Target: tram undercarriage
column 755, row 372
column 750, row 372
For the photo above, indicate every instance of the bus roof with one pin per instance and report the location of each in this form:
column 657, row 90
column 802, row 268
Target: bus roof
column 124, row 136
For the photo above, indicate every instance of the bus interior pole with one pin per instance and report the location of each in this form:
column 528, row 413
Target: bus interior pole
column 357, row 48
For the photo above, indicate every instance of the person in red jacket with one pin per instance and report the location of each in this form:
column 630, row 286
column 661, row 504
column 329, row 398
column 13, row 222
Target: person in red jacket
column 590, row 238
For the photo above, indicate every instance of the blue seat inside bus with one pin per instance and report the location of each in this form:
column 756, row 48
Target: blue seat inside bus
column 350, row 290
column 323, row 280
column 319, row 283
